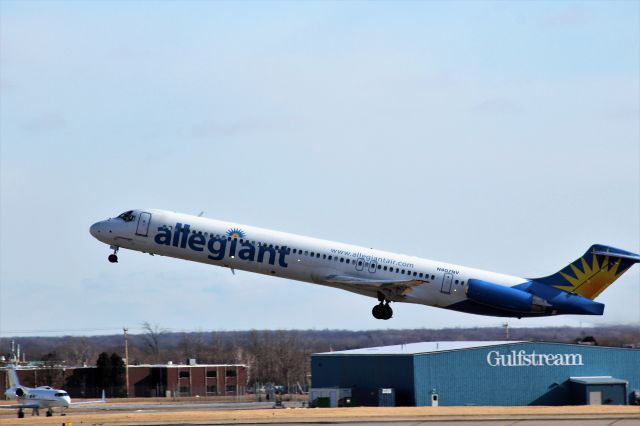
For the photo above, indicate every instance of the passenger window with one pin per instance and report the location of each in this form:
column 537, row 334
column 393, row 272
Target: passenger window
column 306, row 252
column 379, row 266
column 415, row 273
column 403, row 271
column 347, row 260
column 433, row 277
column 420, row 275
column 384, row 269
column 324, row 256
column 329, row 257
column 360, row 263
column 456, row 281
column 294, row 251
column 341, row 259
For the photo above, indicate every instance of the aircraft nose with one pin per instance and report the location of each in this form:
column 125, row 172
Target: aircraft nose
column 95, row 229
column 98, row 229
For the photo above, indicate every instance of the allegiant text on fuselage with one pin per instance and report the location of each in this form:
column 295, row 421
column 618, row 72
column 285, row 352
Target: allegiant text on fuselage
column 216, row 246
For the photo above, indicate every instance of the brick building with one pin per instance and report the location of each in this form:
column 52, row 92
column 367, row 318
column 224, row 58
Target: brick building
column 144, row 380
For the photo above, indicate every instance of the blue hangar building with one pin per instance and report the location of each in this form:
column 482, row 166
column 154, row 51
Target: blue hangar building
column 482, row 373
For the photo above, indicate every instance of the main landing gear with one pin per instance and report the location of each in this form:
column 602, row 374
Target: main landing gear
column 49, row 412
column 382, row 310
column 113, row 258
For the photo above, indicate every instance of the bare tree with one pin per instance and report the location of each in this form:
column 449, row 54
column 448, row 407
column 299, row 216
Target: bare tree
column 151, row 340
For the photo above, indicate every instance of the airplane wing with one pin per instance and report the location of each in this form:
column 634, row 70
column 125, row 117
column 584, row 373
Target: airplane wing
column 14, row 406
column 99, row 401
column 400, row 287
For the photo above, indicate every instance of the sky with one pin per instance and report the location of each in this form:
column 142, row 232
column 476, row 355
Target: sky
column 498, row 135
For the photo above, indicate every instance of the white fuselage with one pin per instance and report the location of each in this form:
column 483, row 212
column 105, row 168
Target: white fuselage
column 291, row 256
column 42, row 397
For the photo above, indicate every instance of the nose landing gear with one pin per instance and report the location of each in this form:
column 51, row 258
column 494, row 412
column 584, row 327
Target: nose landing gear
column 382, row 310
column 113, row 258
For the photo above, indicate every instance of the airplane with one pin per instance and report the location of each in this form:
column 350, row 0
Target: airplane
column 40, row 397
column 386, row 276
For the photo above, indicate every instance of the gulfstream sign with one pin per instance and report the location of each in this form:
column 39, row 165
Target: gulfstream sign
column 532, row 359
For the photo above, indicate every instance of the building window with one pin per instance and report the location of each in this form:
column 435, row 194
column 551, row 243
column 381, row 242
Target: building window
column 184, row 375
column 230, row 373
column 212, row 389
column 231, row 388
column 184, row 390
column 212, row 374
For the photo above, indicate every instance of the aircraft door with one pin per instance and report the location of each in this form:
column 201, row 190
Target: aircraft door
column 359, row 264
column 446, row 283
column 143, row 224
column 373, row 266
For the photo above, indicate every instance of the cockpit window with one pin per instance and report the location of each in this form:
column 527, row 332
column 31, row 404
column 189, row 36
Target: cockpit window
column 61, row 394
column 127, row 216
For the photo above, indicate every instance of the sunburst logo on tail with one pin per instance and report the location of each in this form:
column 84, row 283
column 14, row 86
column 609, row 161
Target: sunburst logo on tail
column 589, row 280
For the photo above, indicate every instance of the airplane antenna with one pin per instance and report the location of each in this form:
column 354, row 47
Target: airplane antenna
column 201, row 213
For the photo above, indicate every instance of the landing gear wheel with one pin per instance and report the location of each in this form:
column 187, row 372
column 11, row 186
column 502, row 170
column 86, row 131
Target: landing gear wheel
column 20, row 414
column 113, row 258
column 388, row 312
column 382, row 311
column 378, row 311
column 49, row 412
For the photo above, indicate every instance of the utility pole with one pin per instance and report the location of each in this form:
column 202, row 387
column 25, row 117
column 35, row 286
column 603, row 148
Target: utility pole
column 126, row 360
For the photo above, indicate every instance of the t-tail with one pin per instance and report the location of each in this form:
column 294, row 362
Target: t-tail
column 13, row 377
column 592, row 273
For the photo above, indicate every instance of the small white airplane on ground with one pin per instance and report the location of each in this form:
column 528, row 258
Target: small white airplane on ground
column 389, row 277
column 40, row 397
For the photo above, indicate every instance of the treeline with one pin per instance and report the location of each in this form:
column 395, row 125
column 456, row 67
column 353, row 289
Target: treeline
column 281, row 356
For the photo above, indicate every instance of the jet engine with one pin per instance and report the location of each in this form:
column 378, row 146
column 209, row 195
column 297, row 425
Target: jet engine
column 506, row 298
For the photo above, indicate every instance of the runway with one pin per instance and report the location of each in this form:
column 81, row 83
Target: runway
column 256, row 413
